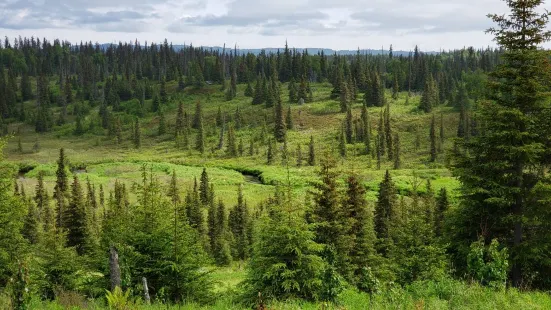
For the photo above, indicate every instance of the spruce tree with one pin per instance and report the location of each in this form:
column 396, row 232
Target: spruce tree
column 289, row 119
column 200, row 138
column 162, row 123
column 377, row 92
column 258, row 96
column 442, row 205
column 381, row 134
column 395, row 89
column 462, row 125
column 180, row 120
column 26, row 88
column 388, row 133
column 41, row 197
column 299, row 155
column 75, row 217
column 31, row 226
column 432, row 136
column 198, row 116
column 222, row 249
column 285, row 262
column 385, row 212
column 241, row 147
column 361, row 231
column 327, row 210
column 249, row 92
column 238, row 119
column 231, row 149
column 441, row 135
column 279, row 127
column 239, row 224
column 204, row 194
column 163, row 94
column 378, row 151
column 285, row 153
column 61, row 188
column 500, row 172
column 344, row 97
column 311, row 152
column 342, row 141
column 211, row 226
column 427, row 99
column 349, row 128
column 293, row 95
column 303, row 89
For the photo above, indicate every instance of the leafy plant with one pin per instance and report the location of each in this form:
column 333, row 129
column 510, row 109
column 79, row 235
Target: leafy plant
column 119, row 300
column 488, row 264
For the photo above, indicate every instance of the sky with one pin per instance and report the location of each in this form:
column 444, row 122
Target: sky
column 337, row 24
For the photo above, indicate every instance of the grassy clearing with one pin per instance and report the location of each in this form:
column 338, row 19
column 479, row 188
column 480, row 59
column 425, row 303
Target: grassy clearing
column 105, row 161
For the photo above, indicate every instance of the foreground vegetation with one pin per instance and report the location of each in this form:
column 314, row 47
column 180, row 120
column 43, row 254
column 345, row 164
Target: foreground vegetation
column 310, row 181
column 444, row 294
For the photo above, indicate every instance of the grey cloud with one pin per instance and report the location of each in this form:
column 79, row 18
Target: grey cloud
column 71, row 14
column 447, row 22
column 109, row 17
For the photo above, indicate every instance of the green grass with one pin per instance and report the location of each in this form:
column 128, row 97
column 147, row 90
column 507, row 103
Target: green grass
column 443, row 294
column 105, row 161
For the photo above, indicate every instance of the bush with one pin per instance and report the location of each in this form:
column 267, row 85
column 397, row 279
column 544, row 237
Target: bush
column 488, row 264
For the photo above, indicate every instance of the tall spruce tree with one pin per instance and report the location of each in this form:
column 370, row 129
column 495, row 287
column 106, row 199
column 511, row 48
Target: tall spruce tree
column 204, row 193
column 327, row 209
column 388, row 132
column 231, row 149
column 289, row 119
column 502, row 175
column 200, row 138
column 61, row 188
column 75, row 217
column 442, row 205
column 432, row 137
column 239, row 224
column 312, row 152
column 361, row 230
column 427, row 99
column 349, row 128
column 221, row 246
column 279, row 127
column 385, row 213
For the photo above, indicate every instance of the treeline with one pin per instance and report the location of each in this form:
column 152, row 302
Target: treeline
column 72, row 79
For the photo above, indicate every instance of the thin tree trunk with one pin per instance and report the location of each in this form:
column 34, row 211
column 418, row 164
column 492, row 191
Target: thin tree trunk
column 114, row 268
column 146, row 291
column 517, row 212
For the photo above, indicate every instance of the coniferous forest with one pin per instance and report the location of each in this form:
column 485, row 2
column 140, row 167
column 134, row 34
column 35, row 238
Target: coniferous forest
column 148, row 176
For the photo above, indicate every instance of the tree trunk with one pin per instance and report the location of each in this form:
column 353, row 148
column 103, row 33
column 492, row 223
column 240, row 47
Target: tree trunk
column 146, row 291
column 517, row 239
column 114, row 268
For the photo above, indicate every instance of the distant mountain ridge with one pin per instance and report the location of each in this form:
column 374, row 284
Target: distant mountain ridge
column 311, row 51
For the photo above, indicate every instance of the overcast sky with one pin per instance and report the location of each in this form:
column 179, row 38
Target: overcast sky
column 337, row 24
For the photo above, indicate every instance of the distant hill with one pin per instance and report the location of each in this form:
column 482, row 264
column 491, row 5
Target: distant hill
column 311, row 51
